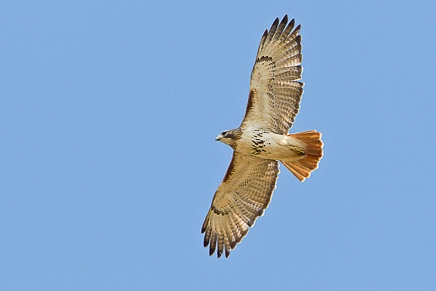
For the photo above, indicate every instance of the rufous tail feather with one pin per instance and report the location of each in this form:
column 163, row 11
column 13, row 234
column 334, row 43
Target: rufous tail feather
column 302, row 168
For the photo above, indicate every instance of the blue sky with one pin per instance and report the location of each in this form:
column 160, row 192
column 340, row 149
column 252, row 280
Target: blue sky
column 108, row 114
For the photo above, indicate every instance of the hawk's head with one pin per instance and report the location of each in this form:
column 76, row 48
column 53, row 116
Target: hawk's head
column 229, row 137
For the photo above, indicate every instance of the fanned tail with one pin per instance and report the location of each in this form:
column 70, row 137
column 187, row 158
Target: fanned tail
column 309, row 160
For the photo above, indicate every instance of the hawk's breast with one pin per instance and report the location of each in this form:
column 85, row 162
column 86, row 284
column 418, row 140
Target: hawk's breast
column 267, row 145
column 262, row 144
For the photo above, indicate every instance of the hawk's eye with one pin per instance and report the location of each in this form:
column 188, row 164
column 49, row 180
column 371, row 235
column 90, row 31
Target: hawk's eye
column 224, row 132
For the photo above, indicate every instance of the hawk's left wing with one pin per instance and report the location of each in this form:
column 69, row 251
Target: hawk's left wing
column 241, row 198
column 275, row 94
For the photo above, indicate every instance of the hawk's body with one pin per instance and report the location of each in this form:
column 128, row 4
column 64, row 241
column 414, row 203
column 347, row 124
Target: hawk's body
column 268, row 145
column 262, row 140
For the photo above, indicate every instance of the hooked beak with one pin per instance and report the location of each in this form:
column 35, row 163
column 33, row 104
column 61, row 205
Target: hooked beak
column 218, row 138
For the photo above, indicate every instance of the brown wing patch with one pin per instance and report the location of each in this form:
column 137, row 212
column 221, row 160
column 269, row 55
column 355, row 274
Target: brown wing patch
column 230, row 171
column 250, row 103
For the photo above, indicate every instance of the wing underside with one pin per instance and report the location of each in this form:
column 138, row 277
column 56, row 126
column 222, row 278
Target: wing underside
column 241, row 198
column 275, row 93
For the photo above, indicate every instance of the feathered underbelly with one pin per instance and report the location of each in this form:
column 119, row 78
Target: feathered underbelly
column 268, row 145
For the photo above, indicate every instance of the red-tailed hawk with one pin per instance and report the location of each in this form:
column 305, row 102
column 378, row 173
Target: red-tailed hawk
column 262, row 140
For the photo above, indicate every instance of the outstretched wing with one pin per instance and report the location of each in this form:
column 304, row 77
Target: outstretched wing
column 241, row 198
column 274, row 98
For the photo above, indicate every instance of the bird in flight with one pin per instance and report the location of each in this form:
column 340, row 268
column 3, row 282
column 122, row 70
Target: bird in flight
column 263, row 140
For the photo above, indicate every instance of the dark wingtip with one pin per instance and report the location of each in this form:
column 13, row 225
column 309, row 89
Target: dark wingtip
column 298, row 38
column 265, row 33
column 276, row 22
column 273, row 28
column 211, row 250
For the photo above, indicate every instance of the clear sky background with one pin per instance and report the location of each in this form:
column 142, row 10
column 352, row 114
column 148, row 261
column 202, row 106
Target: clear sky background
column 108, row 163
